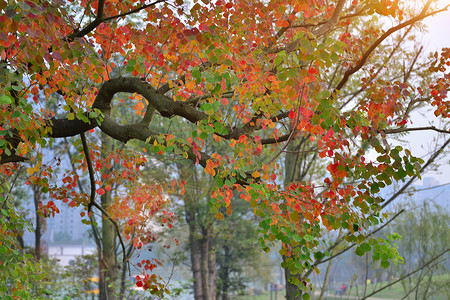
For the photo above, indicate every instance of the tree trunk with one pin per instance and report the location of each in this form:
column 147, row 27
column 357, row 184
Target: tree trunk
column 325, row 280
column 292, row 289
column 107, row 264
column 225, row 274
column 195, row 266
column 203, row 258
column 194, row 252
column 204, row 264
column 38, row 230
column 292, row 173
column 123, row 281
column 212, row 268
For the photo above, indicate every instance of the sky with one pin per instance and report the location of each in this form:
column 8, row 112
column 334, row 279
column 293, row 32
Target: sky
column 437, row 37
column 439, row 29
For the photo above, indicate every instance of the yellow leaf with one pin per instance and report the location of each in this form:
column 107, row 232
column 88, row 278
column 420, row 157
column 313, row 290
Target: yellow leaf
column 219, row 216
column 255, row 174
column 30, row 171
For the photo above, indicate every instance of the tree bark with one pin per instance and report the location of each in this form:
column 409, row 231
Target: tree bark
column 325, row 280
column 38, row 230
column 291, row 174
column 225, row 274
column 108, row 268
column 212, row 268
column 292, row 289
column 204, row 264
column 195, row 264
column 194, row 250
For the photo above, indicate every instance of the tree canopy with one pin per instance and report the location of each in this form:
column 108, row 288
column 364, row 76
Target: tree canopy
column 246, row 79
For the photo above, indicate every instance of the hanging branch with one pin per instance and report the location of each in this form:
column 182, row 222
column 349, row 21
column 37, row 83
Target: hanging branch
column 92, row 197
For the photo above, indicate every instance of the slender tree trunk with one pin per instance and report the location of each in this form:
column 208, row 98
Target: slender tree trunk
column 38, row 230
column 291, row 174
column 212, row 269
column 123, row 281
column 195, row 266
column 194, row 252
column 123, row 285
column 325, row 280
column 291, row 289
column 225, row 274
column 204, row 264
column 108, row 262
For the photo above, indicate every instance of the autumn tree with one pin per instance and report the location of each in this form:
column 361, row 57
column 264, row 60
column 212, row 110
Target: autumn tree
column 247, row 75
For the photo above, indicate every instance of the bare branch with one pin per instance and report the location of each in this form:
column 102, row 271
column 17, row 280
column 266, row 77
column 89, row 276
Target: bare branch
column 405, row 129
column 369, row 51
column 87, row 155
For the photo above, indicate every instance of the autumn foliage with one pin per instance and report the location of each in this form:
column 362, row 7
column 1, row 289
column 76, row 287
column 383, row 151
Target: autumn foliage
column 247, row 78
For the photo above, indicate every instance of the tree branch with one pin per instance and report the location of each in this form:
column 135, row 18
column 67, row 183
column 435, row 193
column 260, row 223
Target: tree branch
column 90, row 170
column 405, row 129
column 369, row 51
column 99, row 19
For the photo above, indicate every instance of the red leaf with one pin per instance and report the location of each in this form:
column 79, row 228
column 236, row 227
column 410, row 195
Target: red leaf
column 291, row 114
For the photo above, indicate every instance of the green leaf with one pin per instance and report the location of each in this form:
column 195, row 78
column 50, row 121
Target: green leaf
column 296, row 238
column 365, row 247
column 5, row 99
column 384, row 264
column 359, row 252
column 196, row 73
column 207, row 106
column 15, row 114
column 318, row 255
column 306, row 296
column 374, row 188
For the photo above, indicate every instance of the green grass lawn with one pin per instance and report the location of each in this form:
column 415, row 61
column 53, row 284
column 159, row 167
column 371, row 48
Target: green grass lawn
column 394, row 292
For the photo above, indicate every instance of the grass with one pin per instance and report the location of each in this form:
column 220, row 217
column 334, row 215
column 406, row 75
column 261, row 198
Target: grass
column 396, row 291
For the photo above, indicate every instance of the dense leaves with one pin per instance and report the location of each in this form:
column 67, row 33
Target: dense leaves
column 248, row 76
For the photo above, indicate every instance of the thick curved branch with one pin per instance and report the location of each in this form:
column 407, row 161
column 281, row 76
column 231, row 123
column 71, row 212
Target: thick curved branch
column 164, row 105
column 251, row 126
